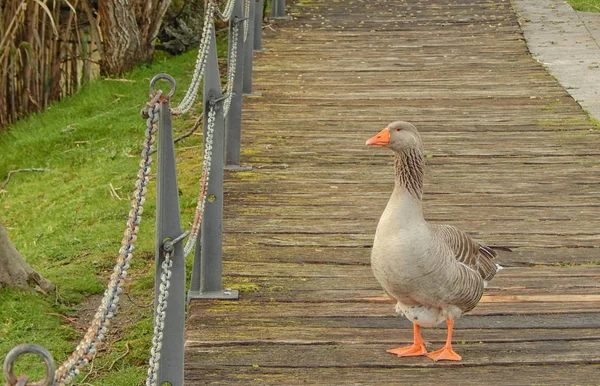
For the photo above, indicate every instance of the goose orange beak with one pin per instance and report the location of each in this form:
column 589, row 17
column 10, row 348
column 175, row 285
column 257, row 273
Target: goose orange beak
column 381, row 139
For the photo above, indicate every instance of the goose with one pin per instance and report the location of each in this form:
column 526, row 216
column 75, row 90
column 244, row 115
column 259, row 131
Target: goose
column 434, row 272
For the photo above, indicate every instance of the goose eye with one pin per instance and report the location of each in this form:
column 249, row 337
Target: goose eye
column 398, row 129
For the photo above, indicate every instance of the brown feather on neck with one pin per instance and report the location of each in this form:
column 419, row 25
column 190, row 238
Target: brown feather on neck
column 409, row 166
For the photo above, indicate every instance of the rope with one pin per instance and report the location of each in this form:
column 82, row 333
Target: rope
column 209, row 14
column 88, row 346
column 159, row 320
column 232, row 67
column 190, row 95
column 247, row 16
column 203, row 191
column 226, row 14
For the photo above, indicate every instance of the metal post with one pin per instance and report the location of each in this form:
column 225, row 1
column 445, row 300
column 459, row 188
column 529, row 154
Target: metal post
column 278, row 10
column 258, row 18
column 207, row 271
column 248, row 51
column 168, row 226
column 233, row 121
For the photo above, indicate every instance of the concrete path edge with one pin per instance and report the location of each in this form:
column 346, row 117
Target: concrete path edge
column 566, row 42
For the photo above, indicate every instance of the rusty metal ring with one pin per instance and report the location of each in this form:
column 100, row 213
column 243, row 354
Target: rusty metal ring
column 16, row 352
column 166, row 77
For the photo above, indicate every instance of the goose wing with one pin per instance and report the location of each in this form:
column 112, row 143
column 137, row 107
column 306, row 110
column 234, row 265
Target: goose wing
column 478, row 257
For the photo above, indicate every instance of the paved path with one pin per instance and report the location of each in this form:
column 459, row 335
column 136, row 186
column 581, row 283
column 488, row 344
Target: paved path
column 568, row 44
column 511, row 158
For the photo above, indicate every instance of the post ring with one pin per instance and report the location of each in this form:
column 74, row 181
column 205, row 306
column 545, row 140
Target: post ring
column 166, row 77
column 16, row 352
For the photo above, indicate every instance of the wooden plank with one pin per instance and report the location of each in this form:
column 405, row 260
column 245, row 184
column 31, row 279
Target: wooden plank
column 538, row 298
column 291, row 334
column 339, row 309
column 488, row 375
column 267, row 249
column 321, row 282
column 316, row 355
column 372, row 318
column 324, row 270
column 322, row 225
column 250, row 250
column 507, row 239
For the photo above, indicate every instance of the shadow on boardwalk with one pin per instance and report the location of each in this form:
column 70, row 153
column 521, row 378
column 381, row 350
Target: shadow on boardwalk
column 511, row 159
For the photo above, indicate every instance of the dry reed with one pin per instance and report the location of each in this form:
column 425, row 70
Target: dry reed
column 45, row 54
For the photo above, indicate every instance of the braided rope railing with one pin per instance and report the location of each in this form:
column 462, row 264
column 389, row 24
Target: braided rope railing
column 159, row 320
column 226, row 14
column 231, row 68
column 155, row 353
column 246, row 15
column 88, row 346
column 209, row 13
column 190, row 96
column 203, row 191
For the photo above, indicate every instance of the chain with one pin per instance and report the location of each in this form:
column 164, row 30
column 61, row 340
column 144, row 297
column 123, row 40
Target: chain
column 159, row 320
column 231, row 68
column 247, row 16
column 88, row 346
column 190, row 96
column 226, row 14
column 203, row 192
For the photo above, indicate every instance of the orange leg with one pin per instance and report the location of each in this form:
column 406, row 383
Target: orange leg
column 416, row 349
column 446, row 353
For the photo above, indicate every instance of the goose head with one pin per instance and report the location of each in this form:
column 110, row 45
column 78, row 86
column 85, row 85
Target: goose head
column 399, row 136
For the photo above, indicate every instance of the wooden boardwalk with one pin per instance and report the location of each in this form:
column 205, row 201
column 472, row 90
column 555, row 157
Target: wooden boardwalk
column 511, row 159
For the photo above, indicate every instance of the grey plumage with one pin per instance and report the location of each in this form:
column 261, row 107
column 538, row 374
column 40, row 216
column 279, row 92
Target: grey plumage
column 477, row 256
column 437, row 268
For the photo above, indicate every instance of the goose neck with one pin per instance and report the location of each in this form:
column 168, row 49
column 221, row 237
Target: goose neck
column 409, row 166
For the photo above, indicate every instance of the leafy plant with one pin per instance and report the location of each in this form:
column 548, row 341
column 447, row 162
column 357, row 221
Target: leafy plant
column 585, row 5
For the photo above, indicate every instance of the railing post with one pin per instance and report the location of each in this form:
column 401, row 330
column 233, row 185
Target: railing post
column 207, row 271
column 168, row 226
column 278, row 10
column 233, row 121
column 248, row 51
column 258, row 19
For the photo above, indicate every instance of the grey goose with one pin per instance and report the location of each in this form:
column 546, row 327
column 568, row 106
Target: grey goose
column 434, row 272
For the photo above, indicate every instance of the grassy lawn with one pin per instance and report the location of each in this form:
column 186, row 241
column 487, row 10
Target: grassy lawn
column 68, row 226
column 585, row 5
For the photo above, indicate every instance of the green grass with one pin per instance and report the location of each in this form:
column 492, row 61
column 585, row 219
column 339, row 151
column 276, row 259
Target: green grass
column 585, row 5
column 69, row 227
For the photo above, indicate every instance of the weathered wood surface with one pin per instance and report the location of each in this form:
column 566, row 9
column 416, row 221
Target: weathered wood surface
column 511, row 159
